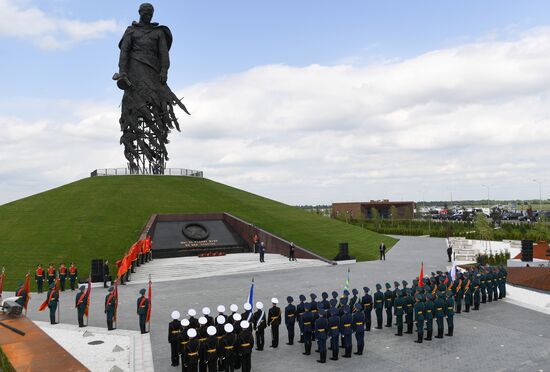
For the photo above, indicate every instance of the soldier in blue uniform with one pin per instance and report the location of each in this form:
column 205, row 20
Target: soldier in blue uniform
column 359, row 328
column 174, row 335
column 314, row 309
column 399, row 305
column 307, row 320
column 419, row 318
column 290, row 319
column 429, row 310
column 439, row 306
column 321, row 327
column 334, row 326
column 409, row 311
column 367, row 307
column 142, row 307
column 300, row 309
column 53, row 300
column 80, row 302
column 450, row 313
column 353, row 300
column 346, row 328
column 378, row 305
column 325, row 302
column 388, row 299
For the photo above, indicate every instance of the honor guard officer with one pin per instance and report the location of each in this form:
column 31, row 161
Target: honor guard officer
column 409, row 310
column 211, row 349
column 300, row 309
column 419, row 318
column 190, row 355
column 459, row 293
column 359, row 328
column 378, row 305
column 73, row 275
column 495, row 284
column 245, row 344
column 39, row 276
column 450, row 313
column 307, row 319
column 110, row 304
column 367, row 307
column 193, row 322
column 22, row 294
column 274, row 320
column 62, row 276
column 206, row 314
column 290, row 319
column 388, row 299
column 347, row 330
column 247, row 315
column 483, row 287
column 174, row 334
column 81, row 301
column 202, row 336
column 334, row 331
column 321, row 326
column 399, row 304
column 260, row 324
column 53, row 300
column 476, row 295
column 184, row 340
column 220, row 332
column 51, row 274
column 325, row 302
column 439, row 305
column 234, row 308
column 221, row 310
column 142, row 308
column 354, row 299
column 237, row 318
column 468, row 294
column 227, row 347
column 429, row 309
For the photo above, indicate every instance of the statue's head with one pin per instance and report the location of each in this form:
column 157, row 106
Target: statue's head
column 146, row 11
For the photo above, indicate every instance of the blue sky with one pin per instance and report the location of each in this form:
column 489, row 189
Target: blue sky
column 420, row 67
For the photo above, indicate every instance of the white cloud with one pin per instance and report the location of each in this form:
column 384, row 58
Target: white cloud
column 27, row 22
column 446, row 121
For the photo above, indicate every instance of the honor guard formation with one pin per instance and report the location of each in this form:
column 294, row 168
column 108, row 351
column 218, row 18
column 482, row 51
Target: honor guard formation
column 225, row 342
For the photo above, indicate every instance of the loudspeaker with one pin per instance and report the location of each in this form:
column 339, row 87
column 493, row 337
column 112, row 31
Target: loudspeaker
column 527, row 250
column 96, row 273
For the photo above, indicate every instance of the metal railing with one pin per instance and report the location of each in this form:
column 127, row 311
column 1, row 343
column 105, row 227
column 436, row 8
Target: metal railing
column 164, row 172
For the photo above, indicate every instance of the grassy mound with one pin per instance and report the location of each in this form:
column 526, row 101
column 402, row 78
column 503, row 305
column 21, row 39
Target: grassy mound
column 101, row 217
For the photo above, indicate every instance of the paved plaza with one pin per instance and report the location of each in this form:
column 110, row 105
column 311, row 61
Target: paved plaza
column 501, row 336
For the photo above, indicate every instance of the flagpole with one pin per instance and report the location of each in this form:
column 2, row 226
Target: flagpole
column 116, row 301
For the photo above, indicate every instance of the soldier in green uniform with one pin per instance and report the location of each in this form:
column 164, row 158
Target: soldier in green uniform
column 39, row 276
column 495, row 284
column 53, row 300
column 110, row 304
column 483, row 286
column 388, row 299
column 399, row 303
column 409, row 311
column 489, row 285
column 440, row 305
column 21, row 294
column 468, row 293
column 419, row 318
column 367, row 307
column 378, row 305
column 429, row 309
column 475, row 284
column 502, row 290
column 450, row 313
column 459, row 292
column 142, row 308
column 80, row 302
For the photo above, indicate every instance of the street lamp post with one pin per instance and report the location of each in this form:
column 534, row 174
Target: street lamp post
column 540, row 194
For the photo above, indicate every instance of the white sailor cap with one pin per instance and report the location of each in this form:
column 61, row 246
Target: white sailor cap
column 211, row 330
column 228, row 328
column 191, row 332
column 175, row 314
column 202, row 320
column 191, row 312
column 259, row 305
column 185, row 322
column 274, row 300
column 234, row 307
column 220, row 319
column 206, row 310
column 221, row 309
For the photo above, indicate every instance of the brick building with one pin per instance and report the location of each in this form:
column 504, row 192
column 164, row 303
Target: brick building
column 356, row 210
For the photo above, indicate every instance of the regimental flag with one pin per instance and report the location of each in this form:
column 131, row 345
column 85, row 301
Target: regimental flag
column 44, row 304
column 116, row 299
column 421, row 275
column 347, row 284
column 2, row 282
column 149, row 297
column 250, row 298
column 88, row 296
column 27, row 287
column 453, row 271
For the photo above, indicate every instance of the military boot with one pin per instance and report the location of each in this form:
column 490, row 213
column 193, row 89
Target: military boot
column 428, row 336
column 334, row 355
column 419, row 338
column 399, row 331
column 450, row 332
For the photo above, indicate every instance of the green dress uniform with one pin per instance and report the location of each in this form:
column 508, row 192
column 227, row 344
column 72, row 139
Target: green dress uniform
column 22, row 294
column 300, row 309
column 388, row 300
column 468, row 295
column 378, row 305
column 495, row 284
column 290, row 319
column 142, row 308
column 53, row 301
column 429, row 309
column 40, row 276
column 502, row 290
column 419, row 318
column 80, row 302
column 476, row 292
column 483, row 287
column 399, row 305
column 489, row 286
column 110, row 304
column 409, row 311
column 450, row 314
column 440, row 305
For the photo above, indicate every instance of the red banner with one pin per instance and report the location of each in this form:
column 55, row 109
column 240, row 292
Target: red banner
column 421, row 276
column 116, row 299
column 27, row 287
column 149, row 296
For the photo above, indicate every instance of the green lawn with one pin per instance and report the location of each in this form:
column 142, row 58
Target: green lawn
column 101, row 217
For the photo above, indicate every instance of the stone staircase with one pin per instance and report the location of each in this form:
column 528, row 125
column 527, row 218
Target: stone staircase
column 177, row 268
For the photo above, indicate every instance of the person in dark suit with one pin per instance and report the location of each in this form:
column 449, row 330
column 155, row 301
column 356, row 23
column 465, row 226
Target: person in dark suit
column 382, row 250
column 449, row 249
column 261, row 249
column 291, row 252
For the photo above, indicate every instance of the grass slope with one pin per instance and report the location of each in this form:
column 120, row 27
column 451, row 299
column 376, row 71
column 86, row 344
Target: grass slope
column 101, row 217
